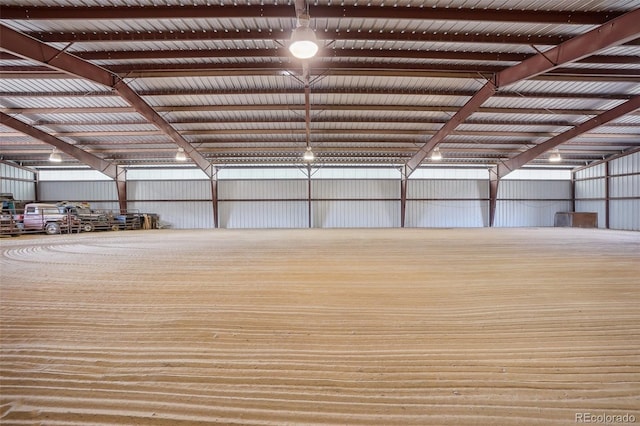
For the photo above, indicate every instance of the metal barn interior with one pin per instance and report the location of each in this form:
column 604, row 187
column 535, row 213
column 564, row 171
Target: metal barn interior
column 364, row 237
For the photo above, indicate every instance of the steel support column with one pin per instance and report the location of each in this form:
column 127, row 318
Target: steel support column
column 494, row 181
column 309, row 205
column 214, row 195
column 121, row 187
column 403, row 196
column 607, row 189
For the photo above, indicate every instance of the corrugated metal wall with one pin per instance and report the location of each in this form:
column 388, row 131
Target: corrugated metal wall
column 18, row 181
column 590, row 192
column 531, row 202
column 361, row 203
column 178, row 214
column 447, row 203
column 283, row 203
column 624, row 192
column 181, row 204
column 91, row 192
column 277, row 203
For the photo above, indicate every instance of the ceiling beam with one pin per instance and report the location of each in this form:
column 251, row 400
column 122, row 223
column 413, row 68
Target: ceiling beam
column 302, row 130
column 506, row 167
column 388, row 119
column 97, row 163
column 321, row 91
column 32, row 49
column 613, row 33
column 130, row 55
column 330, row 69
column 323, row 12
column 327, row 35
column 296, row 107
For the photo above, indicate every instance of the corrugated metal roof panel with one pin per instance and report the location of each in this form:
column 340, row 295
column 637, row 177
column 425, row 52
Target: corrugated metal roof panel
column 478, row 4
column 49, row 85
column 67, row 102
column 590, row 87
column 195, row 83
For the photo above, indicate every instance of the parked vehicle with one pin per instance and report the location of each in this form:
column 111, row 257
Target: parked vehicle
column 49, row 218
column 91, row 220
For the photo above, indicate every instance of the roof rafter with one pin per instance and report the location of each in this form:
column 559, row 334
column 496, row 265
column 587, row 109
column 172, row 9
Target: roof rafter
column 326, row 35
column 506, row 167
column 614, row 32
column 323, row 91
column 326, row 12
column 129, row 55
column 332, row 69
column 32, row 49
column 317, row 107
column 87, row 158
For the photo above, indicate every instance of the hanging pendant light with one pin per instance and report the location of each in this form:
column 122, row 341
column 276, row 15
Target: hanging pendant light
column 555, row 156
column 308, row 155
column 303, row 39
column 180, row 155
column 55, row 156
column 436, row 155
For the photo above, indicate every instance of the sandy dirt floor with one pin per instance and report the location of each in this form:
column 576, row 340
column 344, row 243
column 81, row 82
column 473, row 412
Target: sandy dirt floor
column 321, row 327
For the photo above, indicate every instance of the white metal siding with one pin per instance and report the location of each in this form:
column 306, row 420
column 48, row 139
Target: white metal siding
column 21, row 190
column 178, row 214
column 356, row 214
column 447, row 189
column 531, row 203
column 54, row 191
column 262, row 190
column 624, row 192
column 263, row 214
column 337, row 189
column 355, row 173
column 447, row 213
column 262, row 173
column 163, row 190
column 592, row 188
column 625, row 214
column 534, row 189
column 627, row 164
column 511, row 213
column 589, row 172
column 72, row 175
column 17, row 181
column 624, row 186
column 8, row 171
